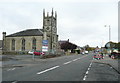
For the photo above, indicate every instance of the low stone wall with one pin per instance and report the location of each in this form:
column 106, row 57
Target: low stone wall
column 15, row 53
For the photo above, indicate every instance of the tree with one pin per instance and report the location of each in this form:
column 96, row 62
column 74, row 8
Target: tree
column 88, row 48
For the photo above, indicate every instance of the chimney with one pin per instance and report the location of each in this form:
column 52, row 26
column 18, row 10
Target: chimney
column 68, row 40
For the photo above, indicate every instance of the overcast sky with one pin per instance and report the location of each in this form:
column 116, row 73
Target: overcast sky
column 80, row 21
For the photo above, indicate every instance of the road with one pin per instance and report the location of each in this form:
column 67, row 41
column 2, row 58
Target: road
column 64, row 68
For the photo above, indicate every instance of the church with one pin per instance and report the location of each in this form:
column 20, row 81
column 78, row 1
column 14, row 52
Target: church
column 33, row 39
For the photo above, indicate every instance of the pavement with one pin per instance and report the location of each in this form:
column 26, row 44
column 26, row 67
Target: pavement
column 111, row 62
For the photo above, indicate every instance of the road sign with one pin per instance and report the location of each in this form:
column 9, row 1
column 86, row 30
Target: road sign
column 45, row 45
column 45, row 42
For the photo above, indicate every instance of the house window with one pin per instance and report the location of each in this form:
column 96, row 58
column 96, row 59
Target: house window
column 34, row 44
column 13, row 44
column 23, row 44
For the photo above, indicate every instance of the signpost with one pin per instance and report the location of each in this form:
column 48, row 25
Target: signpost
column 45, row 46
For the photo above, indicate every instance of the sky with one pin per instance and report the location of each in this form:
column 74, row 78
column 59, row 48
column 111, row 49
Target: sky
column 81, row 21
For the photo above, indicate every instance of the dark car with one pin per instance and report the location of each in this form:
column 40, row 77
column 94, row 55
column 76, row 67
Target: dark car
column 38, row 53
column 114, row 55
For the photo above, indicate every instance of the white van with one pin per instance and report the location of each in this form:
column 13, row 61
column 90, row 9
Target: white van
column 86, row 52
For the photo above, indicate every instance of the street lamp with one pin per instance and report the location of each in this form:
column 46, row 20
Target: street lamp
column 109, row 37
column 109, row 32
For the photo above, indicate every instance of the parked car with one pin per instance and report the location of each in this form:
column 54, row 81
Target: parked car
column 98, row 56
column 30, row 52
column 38, row 53
column 86, row 52
column 114, row 55
column 83, row 53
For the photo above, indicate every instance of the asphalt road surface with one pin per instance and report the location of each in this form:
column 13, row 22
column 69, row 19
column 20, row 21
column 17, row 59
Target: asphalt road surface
column 64, row 68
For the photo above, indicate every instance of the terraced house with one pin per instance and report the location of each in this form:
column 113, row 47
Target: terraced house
column 31, row 39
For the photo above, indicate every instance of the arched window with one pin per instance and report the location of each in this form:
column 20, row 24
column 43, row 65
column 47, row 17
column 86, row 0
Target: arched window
column 34, row 44
column 23, row 44
column 13, row 44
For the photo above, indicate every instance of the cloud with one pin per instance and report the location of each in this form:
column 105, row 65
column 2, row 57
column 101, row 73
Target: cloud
column 81, row 21
column 87, row 1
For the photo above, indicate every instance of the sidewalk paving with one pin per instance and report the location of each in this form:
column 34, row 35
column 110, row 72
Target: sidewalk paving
column 112, row 62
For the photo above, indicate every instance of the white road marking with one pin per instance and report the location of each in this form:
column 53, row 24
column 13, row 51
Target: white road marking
column 87, row 71
column 11, row 69
column 84, row 78
column 14, row 82
column 90, row 64
column 8, row 69
column 48, row 70
column 79, row 58
column 88, row 68
column 75, row 59
column 59, row 66
column 67, row 62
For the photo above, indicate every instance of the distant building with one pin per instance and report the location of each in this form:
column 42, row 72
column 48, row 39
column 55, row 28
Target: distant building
column 66, row 45
column 31, row 39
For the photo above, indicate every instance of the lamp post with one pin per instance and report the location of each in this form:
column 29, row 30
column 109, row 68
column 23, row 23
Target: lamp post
column 109, row 36
column 109, row 32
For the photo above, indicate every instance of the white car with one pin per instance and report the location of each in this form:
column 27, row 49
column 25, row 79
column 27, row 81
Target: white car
column 86, row 52
column 83, row 53
column 30, row 52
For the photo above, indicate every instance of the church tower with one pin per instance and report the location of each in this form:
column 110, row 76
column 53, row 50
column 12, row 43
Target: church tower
column 50, row 29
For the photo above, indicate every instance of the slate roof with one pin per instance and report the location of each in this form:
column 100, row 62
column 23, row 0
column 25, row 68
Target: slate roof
column 28, row 32
column 61, row 42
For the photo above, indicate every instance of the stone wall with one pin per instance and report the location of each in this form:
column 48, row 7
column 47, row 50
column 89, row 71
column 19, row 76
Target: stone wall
column 18, row 43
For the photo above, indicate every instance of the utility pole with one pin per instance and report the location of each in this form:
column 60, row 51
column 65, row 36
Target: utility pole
column 109, row 33
column 109, row 37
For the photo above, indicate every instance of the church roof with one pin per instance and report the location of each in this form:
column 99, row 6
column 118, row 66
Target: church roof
column 28, row 32
column 63, row 41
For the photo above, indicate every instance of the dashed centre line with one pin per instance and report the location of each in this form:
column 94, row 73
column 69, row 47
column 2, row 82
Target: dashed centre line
column 67, row 62
column 75, row 59
column 59, row 66
column 87, row 71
